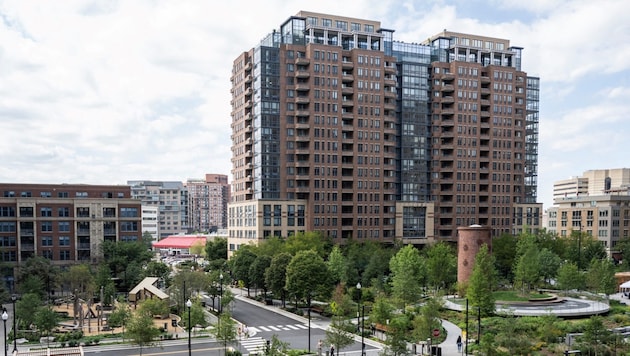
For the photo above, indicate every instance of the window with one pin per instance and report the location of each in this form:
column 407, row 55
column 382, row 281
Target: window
column 26, row 194
column 129, row 226
column 64, row 240
column 62, row 195
column 7, row 211
column 47, row 241
column 9, row 194
column 45, row 194
column 7, row 226
column 48, row 254
column 64, row 226
column 46, row 211
column 63, row 212
column 129, row 212
column 47, row 226
column 64, row 255
column 26, row 212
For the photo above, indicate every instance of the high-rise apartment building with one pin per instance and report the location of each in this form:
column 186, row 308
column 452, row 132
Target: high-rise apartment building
column 66, row 223
column 171, row 198
column 207, row 203
column 340, row 129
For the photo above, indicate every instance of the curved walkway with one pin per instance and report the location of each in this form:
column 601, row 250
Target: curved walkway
column 569, row 307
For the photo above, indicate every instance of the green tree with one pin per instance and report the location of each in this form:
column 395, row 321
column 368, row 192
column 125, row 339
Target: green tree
column 482, row 282
column 340, row 331
column 337, row 266
column 307, row 273
column 276, row 275
column 257, row 272
column 623, row 246
column 595, row 337
column 26, row 308
column 46, row 320
column 504, row 251
column 527, row 269
column 239, row 264
column 600, row 277
column 33, row 285
column 81, row 280
column 569, row 277
column 407, row 275
column 103, row 279
column 120, row 317
column 549, row 263
column 427, row 320
column 310, row 240
column 276, row 347
column 382, row 310
column 397, row 337
column 125, row 259
column 377, row 269
column 217, row 249
column 160, row 270
column 154, row 307
column 225, row 330
column 197, row 316
column 141, row 329
column 441, row 265
column 43, row 270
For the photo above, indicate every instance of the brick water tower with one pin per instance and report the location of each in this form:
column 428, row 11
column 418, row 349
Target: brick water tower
column 469, row 242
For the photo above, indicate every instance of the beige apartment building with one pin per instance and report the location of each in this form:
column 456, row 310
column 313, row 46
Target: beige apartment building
column 599, row 206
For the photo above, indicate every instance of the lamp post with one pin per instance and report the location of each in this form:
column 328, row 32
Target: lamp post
column 362, row 330
column 359, row 308
column 189, row 304
column 5, row 316
column 580, row 246
column 13, row 299
column 220, row 293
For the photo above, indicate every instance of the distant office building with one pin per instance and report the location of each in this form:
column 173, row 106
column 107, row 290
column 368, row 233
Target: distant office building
column 207, row 203
column 171, row 199
column 572, row 187
column 65, row 223
column 340, row 129
column 600, row 207
column 150, row 221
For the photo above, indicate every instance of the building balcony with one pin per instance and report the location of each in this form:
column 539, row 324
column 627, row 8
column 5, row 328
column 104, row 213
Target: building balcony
column 302, row 61
column 302, row 74
column 346, row 64
column 346, row 78
column 303, row 87
column 448, row 88
column 390, row 69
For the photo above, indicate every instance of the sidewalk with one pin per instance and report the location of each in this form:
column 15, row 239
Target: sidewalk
column 448, row 347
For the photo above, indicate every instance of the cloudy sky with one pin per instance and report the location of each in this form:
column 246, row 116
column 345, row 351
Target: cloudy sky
column 102, row 92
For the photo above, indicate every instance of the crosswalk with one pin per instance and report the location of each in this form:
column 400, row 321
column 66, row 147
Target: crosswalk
column 275, row 328
column 254, row 345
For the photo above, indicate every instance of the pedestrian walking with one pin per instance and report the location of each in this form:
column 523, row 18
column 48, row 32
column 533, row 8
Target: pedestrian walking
column 319, row 347
column 459, row 343
column 332, row 350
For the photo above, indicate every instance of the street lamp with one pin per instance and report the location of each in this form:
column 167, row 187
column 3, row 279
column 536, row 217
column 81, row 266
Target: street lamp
column 359, row 307
column 5, row 316
column 13, row 299
column 220, row 293
column 189, row 304
column 362, row 330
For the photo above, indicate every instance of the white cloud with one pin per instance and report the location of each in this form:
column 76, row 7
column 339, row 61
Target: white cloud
column 104, row 92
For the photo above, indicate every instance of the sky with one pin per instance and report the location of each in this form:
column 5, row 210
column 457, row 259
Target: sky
column 103, row 92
